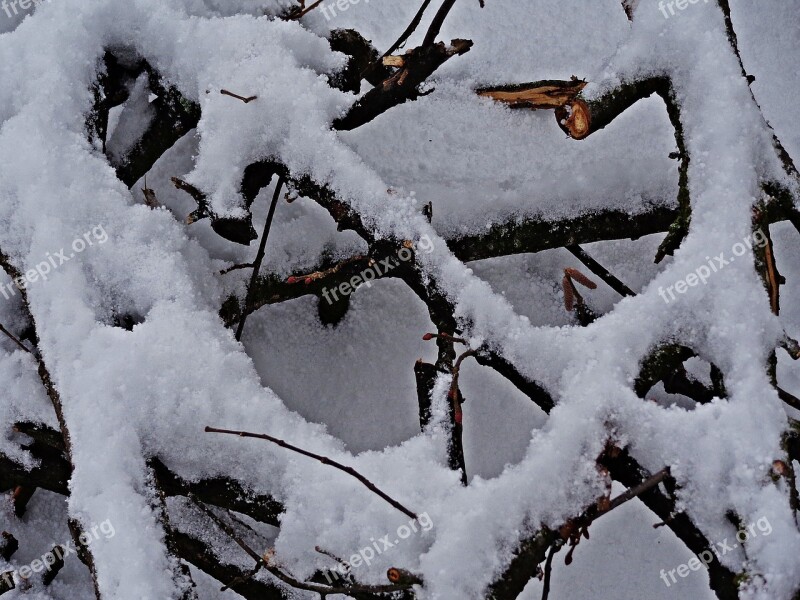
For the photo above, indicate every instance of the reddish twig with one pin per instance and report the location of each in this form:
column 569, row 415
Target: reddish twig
column 572, row 297
column 445, row 336
column 454, row 396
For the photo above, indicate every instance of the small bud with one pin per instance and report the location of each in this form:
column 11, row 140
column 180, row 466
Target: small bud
column 780, row 468
column 580, row 278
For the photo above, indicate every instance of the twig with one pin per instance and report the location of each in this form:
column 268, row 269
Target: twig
column 445, row 336
column 301, row 12
column 14, row 338
column 638, row 490
column 324, row 460
column 788, row 398
column 438, row 21
column 226, row 528
column 574, row 529
column 55, row 399
column 402, row 39
column 548, row 567
column 454, row 395
column 199, row 197
column 401, row 576
column 237, row 96
column 324, row 552
column 236, row 267
column 599, row 270
column 288, row 579
column 259, row 257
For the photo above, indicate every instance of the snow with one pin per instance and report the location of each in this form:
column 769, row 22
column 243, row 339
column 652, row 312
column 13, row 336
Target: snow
column 348, row 393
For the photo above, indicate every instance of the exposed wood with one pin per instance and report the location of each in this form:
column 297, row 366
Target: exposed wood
column 537, row 95
column 402, row 86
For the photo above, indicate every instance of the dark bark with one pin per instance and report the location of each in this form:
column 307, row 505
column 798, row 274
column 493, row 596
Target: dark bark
column 402, row 86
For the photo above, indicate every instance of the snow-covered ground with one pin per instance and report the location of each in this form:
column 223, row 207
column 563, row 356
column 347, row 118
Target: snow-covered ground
column 348, row 392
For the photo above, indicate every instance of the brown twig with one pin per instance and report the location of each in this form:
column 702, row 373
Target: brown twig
column 324, row 460
column 237, row 96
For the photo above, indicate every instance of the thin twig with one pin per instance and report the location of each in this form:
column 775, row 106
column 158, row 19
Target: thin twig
column 332, row 555
column 303, row 11
column 236, row 267
column 14, row 338
column 599, row 270
column 259, row 257
column 324, row 460
column 438, row 21
column 638, row 490
column 238, row 97
column 286, row 578
column 403, row 37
